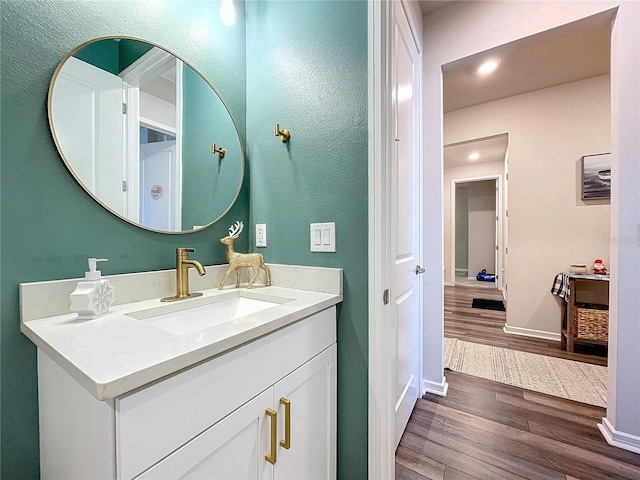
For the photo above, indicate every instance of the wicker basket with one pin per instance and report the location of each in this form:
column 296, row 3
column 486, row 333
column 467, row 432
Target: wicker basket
column 591, row 324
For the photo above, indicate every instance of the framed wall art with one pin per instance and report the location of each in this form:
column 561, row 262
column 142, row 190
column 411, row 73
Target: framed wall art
column 596, row 176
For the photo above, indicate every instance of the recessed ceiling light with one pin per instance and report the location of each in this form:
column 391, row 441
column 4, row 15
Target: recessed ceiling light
column 474, row 156
column 488, row 66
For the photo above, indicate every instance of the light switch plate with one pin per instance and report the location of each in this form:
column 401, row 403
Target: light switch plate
column 261, row 234
column 322, row 237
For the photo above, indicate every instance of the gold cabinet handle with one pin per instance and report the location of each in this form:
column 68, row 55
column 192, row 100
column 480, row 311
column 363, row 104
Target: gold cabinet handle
column 271, row 456
column 286, row 443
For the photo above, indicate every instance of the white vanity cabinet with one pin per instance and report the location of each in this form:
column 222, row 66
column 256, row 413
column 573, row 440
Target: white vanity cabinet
column 208, row 421
column 237, row 446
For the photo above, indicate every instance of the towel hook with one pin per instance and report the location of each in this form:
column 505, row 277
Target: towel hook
column 284, row 134
column 220, row 151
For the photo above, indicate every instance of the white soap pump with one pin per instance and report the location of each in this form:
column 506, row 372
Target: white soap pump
column 95, row 295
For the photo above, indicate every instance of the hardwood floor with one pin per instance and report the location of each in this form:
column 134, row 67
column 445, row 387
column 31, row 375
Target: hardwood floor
column 488, row 430
column 485, row 326
column 491, row 431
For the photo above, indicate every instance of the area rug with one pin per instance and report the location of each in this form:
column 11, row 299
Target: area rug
column 488, row 304
column 577, row 381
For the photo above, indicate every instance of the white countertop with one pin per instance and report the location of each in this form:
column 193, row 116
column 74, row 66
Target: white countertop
column 115, row 353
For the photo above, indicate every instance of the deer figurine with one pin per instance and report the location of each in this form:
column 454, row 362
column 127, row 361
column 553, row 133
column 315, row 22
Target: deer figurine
column 239, row 260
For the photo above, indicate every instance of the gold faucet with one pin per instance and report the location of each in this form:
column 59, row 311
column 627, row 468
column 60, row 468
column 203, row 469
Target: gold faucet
column 182, row 275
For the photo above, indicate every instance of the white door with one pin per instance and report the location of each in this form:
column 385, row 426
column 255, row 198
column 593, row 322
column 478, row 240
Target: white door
column 405, row 223
column 158, row 200
column 88, row 124
column 311, row 395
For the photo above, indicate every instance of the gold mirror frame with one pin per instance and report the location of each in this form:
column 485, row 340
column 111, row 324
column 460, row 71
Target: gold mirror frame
column 216, row 158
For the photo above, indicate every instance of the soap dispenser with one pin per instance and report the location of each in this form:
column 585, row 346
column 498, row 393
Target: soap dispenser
column 94, row 296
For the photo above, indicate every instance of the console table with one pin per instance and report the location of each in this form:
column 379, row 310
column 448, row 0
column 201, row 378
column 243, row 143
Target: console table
column 586, row 296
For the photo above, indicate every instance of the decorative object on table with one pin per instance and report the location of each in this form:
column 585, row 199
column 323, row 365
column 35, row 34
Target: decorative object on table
column 579, row 268
column 483, row 276
column 240, row 260
column 598, row 267
column 596, row 176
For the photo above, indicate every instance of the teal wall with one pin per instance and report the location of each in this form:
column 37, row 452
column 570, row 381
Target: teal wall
column 111, row 55
column 104, row 54
column 49, row 226
column 209, row 182
column 307, row 70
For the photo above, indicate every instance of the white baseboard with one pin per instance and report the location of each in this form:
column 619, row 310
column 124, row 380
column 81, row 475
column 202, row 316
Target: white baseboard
column 527, row 332
column 622, row 440
column 449, row 284
column 435, row 388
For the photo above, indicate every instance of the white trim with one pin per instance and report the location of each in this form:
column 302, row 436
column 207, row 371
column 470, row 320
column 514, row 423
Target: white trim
column 149, row 65
column 449, row 284
column 527, row 332
column 381, row 428
column 436, row 388
column 154, row 124
column 618, row 439
column 177, row 204
column 131, row 127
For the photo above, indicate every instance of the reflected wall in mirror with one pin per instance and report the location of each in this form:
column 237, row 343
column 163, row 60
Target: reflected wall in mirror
column 135, row 125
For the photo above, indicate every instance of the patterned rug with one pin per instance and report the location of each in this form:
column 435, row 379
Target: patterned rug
column 577, row 381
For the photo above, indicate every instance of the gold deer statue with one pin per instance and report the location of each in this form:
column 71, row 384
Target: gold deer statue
column 239, row 260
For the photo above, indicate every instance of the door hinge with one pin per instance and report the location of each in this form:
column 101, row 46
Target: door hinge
column 506, row 250
column 124, row 185
column 506, row 213
column 507, row 176
column 124, row 108
column 385, row 297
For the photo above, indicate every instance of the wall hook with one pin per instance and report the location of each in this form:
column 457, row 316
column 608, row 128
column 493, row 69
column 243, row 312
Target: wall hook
column 220, row 151
column 284, row 134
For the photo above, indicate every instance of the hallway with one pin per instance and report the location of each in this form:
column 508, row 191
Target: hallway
column 485, row 327
column 489, row 430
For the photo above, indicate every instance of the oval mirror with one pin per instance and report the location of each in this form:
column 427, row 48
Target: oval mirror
column 145, row 135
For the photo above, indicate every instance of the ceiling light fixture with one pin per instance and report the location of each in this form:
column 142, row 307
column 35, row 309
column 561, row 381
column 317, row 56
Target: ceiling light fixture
column 474, row 156
column 488, row 66
column 227, row 12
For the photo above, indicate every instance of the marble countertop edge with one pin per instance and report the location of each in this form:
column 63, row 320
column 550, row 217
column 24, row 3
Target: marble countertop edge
column 81, row 361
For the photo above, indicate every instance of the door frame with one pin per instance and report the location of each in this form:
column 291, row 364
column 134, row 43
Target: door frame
column 499, row 213
column 381, row 404
column 149, row 65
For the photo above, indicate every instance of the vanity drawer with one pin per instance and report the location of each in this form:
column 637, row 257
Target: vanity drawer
column 153, row 422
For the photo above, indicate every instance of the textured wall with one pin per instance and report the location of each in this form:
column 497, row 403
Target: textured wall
column 49, row 225
column 307, row 70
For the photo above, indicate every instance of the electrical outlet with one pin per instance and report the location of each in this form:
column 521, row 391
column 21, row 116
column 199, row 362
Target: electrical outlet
column 261, row 234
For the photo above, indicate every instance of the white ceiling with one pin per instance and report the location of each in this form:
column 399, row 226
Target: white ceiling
column 491, row 149
column 566, row 54
column 428, row 6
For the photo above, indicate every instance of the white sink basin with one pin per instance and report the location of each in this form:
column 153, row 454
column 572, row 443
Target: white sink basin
column 193, row 315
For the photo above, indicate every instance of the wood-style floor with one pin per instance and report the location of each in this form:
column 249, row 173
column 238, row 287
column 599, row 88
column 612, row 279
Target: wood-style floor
column 488, row 430
column 485, row 327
